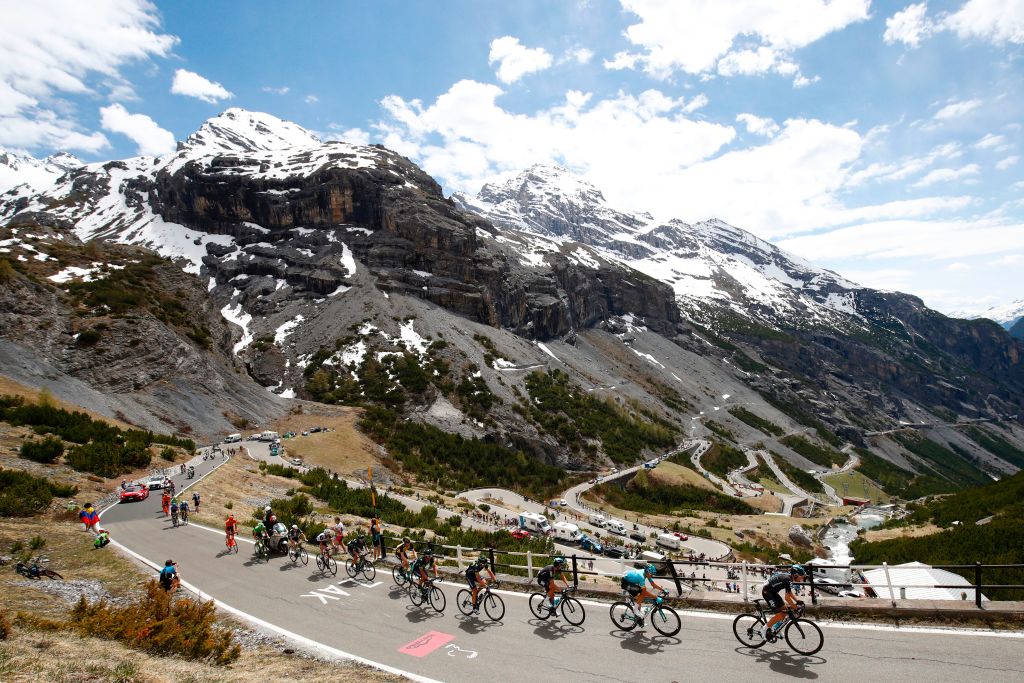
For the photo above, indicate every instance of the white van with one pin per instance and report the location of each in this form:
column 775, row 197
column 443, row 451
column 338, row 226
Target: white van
column 616, row 527
column 598, row 520
column 668, row 541
column 534, row 522
column 233, row 438
column 268, row 436
column 564, row 531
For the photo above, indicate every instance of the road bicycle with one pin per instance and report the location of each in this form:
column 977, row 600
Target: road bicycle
column 262, row 548
column 401, row 575
column 298, row 554
column 664, row 619
column 802, row 635
column 231, row 543
column 174, row 518
column 572, row 609
column 326, row 563
column 494, row 606
column 35, row 570
column 365, row 566
column 184, row 517
column 427, row 592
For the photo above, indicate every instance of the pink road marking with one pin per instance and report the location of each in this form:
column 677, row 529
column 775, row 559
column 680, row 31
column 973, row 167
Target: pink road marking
column 425, row 644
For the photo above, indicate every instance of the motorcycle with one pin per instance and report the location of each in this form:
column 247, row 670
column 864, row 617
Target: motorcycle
column 35, row 571
column 191, row 472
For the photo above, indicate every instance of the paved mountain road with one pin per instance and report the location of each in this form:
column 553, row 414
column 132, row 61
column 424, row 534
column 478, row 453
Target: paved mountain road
column 377, row 622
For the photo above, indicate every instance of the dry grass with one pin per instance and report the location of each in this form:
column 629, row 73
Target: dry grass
column 344, row 449
column 859, row 486
column 30, row 657
column 235, row 482
column 676, row 475
column 11, row 388
column 900, row 532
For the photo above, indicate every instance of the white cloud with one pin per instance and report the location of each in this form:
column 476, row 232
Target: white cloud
column 310, row 99
column 702, row 36
column 283, row 90
column 1019, row 185
column 909, row 26
column 191, row 84
column 758, row 125
column 997, row 21
column 1009, row 260
column 580, row 55
column 933, row 239
column 801, row 81
column 152, row 140
column 1006, row 163
column 958, row 267
column 695, row 103
column 945, row 175
column 989, row 141
column 955, row 110
column 357, row 136
column 516, row 60
column 53, row 47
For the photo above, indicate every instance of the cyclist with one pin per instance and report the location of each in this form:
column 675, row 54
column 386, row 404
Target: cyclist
column 778, row 582
column 295, row 537
column 476, row 580
column 546, row 578
column 325, row 538
column 339, row 532
column 419, row 567
column 183, row 509
column 356, row 546
column 405, row 549
column 169, row 579
column 260, row 532
column 635, row 583
column 230, row 529
column 174, row 511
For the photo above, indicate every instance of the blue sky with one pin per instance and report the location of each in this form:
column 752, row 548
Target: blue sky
column 880, row 139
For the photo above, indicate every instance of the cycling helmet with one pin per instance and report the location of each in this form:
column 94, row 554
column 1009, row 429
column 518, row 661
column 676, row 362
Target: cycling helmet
column 798, row 569
column 266, row 509
column 482, row 561
column 559, row 560
column 169, row 563
column 295, row 526
column 406, row 539
column 651, row 569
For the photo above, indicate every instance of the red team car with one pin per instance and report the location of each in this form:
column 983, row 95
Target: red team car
column 134, row 492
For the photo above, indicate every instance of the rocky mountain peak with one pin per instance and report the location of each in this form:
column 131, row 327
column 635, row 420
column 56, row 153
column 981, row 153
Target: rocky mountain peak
column 242, row 131
column 17, row 167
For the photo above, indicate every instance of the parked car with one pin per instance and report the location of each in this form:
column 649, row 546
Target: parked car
column 591, row 545
column 157, row 481
column 314, row 430
column 134, row 492
column 613, row 551
column 296, row 462
column 305, row 432
column 519, row 533
column 637, row 536
column 680, row 535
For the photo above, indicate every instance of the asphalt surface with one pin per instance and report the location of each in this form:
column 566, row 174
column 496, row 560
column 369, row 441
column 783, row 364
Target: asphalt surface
column 376, row 621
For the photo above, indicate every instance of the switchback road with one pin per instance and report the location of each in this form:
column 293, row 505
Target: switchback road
column 376, row 622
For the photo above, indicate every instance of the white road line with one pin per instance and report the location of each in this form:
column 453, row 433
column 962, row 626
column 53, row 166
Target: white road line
column 294, row 637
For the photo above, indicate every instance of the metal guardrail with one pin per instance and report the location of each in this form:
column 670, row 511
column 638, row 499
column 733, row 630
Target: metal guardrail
column 748, row 575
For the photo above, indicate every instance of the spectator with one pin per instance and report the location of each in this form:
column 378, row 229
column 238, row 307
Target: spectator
column 90, row 518
column 169, row 579
column 195, row 500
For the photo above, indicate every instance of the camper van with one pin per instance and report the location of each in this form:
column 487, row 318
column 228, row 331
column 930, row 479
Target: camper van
column 268, row 436
column 564, row 531
column 233, row 438
column 668, row 541
column 534, row 522
column 598, row 520
column 616, row 527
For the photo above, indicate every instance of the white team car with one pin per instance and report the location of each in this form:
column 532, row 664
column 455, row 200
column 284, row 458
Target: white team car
column 157, row 481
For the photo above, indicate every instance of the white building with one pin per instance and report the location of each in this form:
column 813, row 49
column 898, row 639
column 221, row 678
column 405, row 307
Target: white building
column 917, row 581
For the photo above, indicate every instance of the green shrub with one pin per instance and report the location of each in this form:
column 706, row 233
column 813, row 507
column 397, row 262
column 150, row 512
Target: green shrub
column 756, row 421
column 87, row 337
column 825, row 457
column 644, row 494
column 168, row 454
column 798, row 476
column 108, row 459
column 944, row 462
column 45, row 451
column 723, row 458
column 23, row 495
column 159, row 625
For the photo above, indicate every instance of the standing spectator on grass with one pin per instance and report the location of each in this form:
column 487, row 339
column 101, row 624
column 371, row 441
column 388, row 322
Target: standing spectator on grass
column 195, row 500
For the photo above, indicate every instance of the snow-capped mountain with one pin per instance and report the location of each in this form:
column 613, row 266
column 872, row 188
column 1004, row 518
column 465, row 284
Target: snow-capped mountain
column 1007, row 315
column 20, row 167
column 709, row 262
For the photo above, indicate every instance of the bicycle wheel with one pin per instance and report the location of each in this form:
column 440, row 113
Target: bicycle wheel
column 622, row 616
column 416, row 595
column 666, row 621
column 332, row 566
column 350, row 568
column 320, row 562
column 398, row 574
column 804, row 636
column 750, row 630
column 538, row 606
column 369, row 571
column 50, row 574
column 437, row 599
column 303, row 555
column 572, row 611
column 494, row 606
column 464, row 601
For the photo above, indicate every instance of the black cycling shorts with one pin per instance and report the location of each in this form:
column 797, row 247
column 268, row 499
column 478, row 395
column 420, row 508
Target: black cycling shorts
column 773, row 599
column 633, row 589
column 544, row 580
